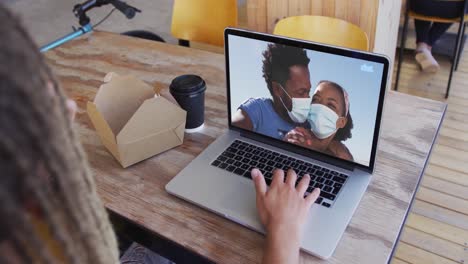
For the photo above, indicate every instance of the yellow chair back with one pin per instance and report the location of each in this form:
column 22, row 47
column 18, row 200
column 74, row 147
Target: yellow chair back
column 203, row 20
column 323, row 29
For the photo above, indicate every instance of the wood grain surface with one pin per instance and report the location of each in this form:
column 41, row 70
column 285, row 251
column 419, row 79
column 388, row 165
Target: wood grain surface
column 409, row 128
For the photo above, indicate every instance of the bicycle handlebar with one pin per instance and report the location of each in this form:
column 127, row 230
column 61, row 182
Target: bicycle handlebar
column 80, row 9
column 127, row 10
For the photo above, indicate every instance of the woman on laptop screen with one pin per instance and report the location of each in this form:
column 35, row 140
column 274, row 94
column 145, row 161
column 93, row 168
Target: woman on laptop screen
column 330, row 122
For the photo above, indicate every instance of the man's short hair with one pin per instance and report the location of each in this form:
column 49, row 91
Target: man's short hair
column 277, row 59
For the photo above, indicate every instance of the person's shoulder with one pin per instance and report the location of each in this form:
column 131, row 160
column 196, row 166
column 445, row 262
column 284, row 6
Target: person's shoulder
column 340, row 150
column 256, row 102
column 256, row 109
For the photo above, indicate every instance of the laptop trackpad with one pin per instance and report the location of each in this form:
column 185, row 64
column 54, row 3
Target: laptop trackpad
column 239, row 203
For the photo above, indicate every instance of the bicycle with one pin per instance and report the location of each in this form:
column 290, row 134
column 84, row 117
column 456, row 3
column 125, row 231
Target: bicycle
column 85, row 23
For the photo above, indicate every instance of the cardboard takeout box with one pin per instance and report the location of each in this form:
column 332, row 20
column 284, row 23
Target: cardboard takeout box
column 132, row 122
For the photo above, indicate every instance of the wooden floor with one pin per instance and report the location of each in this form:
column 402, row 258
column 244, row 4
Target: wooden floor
column 437, row 227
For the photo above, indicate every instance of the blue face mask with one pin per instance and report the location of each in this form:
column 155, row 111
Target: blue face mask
column 300, row 107
column 322, row 121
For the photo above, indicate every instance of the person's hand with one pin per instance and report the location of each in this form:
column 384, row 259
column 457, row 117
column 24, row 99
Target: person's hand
column 71, row 108
column 299, row 136
column 283, row 211
column 283, row 206
column 70, row 104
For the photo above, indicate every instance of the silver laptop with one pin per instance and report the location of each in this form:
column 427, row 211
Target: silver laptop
column 292, row 104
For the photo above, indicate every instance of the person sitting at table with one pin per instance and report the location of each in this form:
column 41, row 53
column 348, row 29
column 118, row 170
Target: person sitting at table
column 427, row 32
column 51, row 212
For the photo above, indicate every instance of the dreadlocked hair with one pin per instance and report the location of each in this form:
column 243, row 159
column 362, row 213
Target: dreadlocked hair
column 45, row 176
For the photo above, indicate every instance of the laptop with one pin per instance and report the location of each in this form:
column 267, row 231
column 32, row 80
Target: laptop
column 277, row 86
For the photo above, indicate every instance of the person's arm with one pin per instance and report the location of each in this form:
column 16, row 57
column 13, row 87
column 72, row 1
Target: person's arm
column 299, row 136
column 241, row 119
column 283, row 211
column 304, row 137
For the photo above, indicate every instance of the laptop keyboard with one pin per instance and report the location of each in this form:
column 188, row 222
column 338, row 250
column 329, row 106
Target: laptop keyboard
column 241, row 157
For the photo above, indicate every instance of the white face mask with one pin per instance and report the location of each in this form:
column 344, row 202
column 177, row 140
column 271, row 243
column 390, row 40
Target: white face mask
column 322, row 120
column 300, row 108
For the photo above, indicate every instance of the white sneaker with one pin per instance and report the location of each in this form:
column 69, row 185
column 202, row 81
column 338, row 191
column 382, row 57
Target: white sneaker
column 427, row 61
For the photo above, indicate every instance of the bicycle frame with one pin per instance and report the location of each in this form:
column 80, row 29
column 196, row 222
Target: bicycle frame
column 77, row 33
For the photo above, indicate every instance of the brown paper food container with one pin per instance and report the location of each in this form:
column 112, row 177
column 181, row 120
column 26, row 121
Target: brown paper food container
column 133, row 123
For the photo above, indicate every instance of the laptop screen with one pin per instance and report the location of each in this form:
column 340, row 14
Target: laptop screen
column 319, row 98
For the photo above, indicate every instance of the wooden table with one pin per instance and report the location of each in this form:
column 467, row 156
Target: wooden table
column 410, row 126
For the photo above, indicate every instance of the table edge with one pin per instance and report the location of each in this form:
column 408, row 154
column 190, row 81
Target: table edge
column 413, row 196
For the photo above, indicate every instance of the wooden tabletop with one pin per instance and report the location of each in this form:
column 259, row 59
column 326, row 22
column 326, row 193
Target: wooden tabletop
column 410, row 125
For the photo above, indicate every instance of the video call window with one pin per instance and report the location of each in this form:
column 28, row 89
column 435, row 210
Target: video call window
column 320, row 101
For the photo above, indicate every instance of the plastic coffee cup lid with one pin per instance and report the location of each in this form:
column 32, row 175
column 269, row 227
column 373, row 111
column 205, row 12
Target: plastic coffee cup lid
column 187, row 84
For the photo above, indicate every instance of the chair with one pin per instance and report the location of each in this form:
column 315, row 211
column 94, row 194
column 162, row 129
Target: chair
column 457, row 49
column 323, row 29
column 203, row 20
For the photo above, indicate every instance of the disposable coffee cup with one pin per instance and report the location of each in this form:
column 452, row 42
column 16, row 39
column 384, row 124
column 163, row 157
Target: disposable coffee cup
column 189, row 92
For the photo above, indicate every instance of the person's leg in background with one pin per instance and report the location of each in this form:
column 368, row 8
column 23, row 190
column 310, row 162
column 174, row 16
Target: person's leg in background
column 422, row 31
column 437, row 30
column 427, row 33
column 424, row 41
